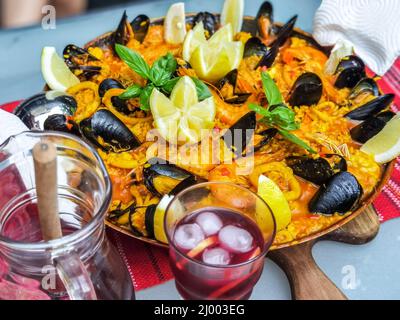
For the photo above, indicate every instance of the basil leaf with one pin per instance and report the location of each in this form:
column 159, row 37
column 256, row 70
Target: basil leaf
column 260, row 110
column 296, row 140
column 132, row 91
column 202, row 90
column 134, row 60
column 162, row 69
column 145, row 97
column 271, row 90
column 283, row 117
column 169, row 85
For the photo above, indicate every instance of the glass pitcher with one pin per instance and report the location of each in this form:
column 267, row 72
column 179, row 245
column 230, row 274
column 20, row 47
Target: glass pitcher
column 82, row 264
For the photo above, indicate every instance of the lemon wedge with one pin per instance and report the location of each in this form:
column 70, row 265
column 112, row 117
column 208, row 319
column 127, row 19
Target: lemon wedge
column 385, row 146
column 193, row 39
column 175, row 24
column 274, row 197
column 232, row 13
column 181, row 118
column 55, row 72
column 159, row 215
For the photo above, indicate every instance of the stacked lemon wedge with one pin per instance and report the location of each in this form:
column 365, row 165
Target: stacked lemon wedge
column 212, row 59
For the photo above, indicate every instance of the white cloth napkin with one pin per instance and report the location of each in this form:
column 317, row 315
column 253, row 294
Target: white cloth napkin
column 372, row 26
column 10, row 125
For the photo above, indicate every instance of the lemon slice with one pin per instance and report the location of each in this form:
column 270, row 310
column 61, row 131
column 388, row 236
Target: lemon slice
column 181, row 118
column 225, row 34
column 274, row 197
column 193, row 39
column 55, row 72
column 175, row 24
column 184, row 94
column 159, row 215
column 232, row 13
column 385, row 146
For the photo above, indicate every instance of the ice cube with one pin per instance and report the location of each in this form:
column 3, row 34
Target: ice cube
column 188, row 236
column 209, row 222
column 217, row 256
column 235, row 239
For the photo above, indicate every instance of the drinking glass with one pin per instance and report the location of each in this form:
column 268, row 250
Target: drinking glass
column 82, row 264
column 195, row 279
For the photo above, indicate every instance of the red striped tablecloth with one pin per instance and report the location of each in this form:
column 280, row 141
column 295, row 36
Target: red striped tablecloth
column 148, row 265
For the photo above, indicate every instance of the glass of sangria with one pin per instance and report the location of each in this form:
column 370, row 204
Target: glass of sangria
column 219, row 234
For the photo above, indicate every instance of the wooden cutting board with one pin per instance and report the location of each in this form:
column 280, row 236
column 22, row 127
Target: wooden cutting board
column 307, row 281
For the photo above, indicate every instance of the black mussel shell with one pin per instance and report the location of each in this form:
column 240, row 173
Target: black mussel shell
column 149, row 220
column 265, row 19
column 122, row 34
column 140, row 26
column 239, row 134
column 285, row 32
column 238, row 98
column 77, row 58
column 269, row 56
column 229, row 78
column 350, row 71
column 339, row 195
column 337, row 162
column 306, row 91
column 209, row 21
column 108, row 84
column 317, row 171
column 267, row 134
column 36, row 109
column 60, row 122
column 162, row 177
column 371, row 108
column 107, row 132
column 363, row 86
column 116, row 213
column 371, row 126
column 254, row 47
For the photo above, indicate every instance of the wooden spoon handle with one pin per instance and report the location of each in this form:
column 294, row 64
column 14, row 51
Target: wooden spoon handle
column 306, row 279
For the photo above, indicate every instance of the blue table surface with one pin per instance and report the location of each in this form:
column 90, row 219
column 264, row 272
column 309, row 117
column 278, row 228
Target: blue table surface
column 375, row 266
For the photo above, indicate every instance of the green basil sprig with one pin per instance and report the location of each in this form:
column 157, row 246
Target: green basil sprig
column 159, row 75
column 278, row 115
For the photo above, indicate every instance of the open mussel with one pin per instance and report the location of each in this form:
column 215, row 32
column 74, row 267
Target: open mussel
column 285, row 32
column 140, row 26
column 239, row 134
column 77, row 60
column 350, row 70
column 210, row 22
column 263, row 138
column 61, row 122
column 306, row 91
column 123, row 32
column 319, row 170
column 371, row 126
column 255, row 47
column 371, row 107
column 119, row 104
column 162, row 177
column 228, row 84
column 35, row 110
column 365, row 85
column 265, row 19
column 339, row 195
column 108, row 133
column 269, row 56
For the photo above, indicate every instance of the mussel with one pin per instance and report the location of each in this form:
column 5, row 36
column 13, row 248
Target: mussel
column 149, row 220
column 269, row 56
column 107, row 132
column 140, row 25
column 35, row 110
column 230, row 79
column 123, row 32
column 265, row 137
column 254, row 47
column 265, row 19
column 118, row 212
column 118, row 103
column 371, row 126
column 339, row 194
column 306, row 91
column 61, row 122
column 350, row 70
column 371, row 107
column 317, row 171
column 77, row 58
column 365, row 85
column 210, row 22
column 162, row 177
column 285, row 32
column 239, row 134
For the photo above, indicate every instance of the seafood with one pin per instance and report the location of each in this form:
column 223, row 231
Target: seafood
column 140, row 26
column 61, row 122
column 306, row 91
column 350, row 71
column 77, row 59
column 228, row 84
column 365, row 85
column 371, row 107
column 119, row 104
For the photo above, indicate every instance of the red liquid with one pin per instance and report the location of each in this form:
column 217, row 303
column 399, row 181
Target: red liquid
column 221, row 251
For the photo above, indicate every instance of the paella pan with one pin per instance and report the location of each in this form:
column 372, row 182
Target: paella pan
column 172, row 104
